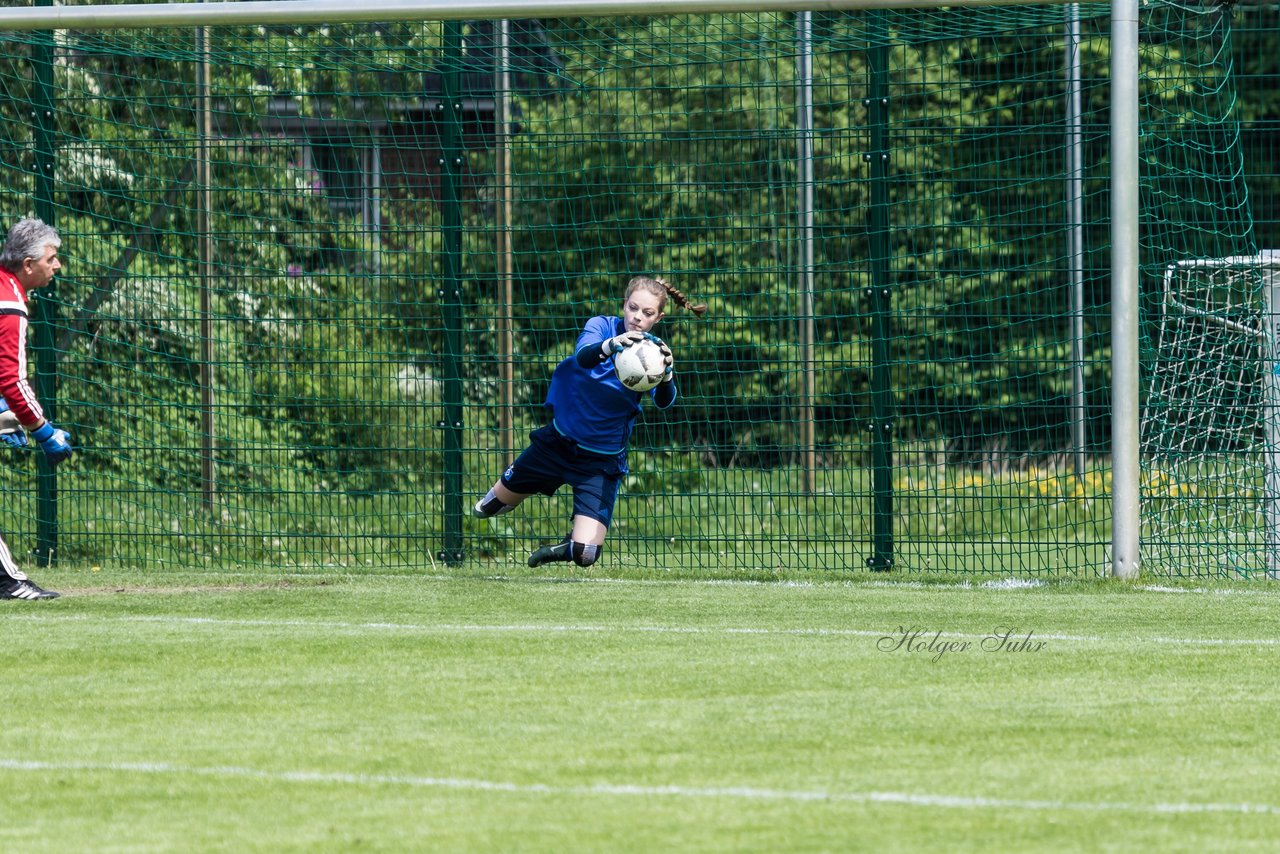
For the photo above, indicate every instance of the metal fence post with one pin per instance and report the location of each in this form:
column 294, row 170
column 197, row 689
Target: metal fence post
column 46, row 306
column 880, row 299
column 451, row 162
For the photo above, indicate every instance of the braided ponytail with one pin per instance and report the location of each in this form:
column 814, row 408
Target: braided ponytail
column 661, row 287
column 680, row 299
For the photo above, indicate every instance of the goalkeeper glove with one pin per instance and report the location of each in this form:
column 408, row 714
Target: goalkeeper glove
column 667, row 358
column 622, row 342
column 55, row 443
column 11, row 432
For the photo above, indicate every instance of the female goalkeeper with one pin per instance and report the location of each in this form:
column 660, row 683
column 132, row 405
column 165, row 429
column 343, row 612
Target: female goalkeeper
column 592, row 413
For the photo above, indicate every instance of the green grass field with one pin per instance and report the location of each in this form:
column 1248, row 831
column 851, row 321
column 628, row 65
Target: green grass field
column 264, row 711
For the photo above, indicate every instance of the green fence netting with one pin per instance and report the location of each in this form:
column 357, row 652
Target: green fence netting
column 332, row 369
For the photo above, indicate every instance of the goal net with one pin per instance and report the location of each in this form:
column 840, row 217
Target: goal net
column 1209, row 428
column 1208, row 431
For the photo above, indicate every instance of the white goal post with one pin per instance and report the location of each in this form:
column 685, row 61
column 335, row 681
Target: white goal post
column 1123, row 141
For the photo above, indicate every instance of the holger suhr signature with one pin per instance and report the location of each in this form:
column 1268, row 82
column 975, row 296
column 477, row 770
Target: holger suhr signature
column 935, row 645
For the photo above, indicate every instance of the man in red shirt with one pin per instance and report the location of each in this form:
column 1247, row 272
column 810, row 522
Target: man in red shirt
column 28, row 260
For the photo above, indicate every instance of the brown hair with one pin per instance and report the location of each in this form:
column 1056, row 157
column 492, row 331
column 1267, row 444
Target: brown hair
column 660, row 287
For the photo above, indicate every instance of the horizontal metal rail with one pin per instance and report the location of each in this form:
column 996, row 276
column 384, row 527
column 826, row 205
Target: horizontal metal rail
column 346, row 11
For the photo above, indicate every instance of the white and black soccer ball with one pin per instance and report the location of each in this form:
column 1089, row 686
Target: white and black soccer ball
column 640, row 367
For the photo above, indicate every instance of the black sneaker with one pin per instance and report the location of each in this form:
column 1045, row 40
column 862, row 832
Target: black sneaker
column 550, row 554
column 12, row 588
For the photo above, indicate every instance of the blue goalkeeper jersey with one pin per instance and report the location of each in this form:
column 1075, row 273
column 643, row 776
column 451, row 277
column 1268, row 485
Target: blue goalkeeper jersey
column 591, row 405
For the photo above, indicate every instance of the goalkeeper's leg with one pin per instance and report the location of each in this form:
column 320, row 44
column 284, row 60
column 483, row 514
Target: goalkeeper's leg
column 583, row 554
column 584, row 546
column 498, row 500
column 537, row 469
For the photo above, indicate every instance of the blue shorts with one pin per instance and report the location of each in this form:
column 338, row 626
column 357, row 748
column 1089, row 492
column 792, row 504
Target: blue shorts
column 553, row 460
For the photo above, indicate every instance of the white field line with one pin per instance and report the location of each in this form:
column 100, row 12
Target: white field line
column 748, row 793
column 926, row 633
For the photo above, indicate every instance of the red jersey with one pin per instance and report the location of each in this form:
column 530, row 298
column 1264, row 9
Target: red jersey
column 13, row 352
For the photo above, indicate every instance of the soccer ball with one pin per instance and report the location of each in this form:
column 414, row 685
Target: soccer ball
column 640, row 367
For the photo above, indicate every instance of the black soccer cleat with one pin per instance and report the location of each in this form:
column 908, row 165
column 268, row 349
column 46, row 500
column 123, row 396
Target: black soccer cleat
column 12, row 588
column 551, row 554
